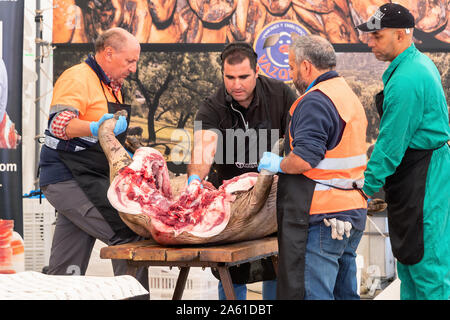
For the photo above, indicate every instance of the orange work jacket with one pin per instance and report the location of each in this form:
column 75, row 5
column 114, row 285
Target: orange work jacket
column 79, row 90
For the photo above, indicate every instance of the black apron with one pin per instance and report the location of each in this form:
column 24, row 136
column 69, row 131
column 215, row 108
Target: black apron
column 294, row 197
column 404, row 194
column 90, row 170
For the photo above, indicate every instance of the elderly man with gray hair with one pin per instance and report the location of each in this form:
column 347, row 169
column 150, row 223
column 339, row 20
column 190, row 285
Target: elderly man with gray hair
column 320, row 206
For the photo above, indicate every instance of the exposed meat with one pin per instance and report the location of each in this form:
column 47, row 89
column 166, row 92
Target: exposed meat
column 144, row 180
column 243, row 208
column 197, row 215
column 9, row 138
column 276, row 6
column 213, row 11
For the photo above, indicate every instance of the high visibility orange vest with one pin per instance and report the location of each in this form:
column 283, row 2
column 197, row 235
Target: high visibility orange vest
column 79, row 89
column 344, row 165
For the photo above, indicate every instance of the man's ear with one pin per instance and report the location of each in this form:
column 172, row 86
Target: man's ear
column 307, row 66
column 108, row 53
column 400, row 34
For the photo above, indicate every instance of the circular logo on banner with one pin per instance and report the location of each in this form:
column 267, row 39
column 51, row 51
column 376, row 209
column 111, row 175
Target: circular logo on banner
column 272, row 47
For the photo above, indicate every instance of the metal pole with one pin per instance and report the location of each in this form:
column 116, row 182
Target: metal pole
column 38, row 20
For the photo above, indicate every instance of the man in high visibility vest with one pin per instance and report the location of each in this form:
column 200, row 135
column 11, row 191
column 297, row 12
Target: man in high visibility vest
column 246, row 105
column 74, row 171
column 320, row 207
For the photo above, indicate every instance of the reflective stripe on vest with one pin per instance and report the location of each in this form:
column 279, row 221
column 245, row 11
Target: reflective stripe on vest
column 343, row 166
column 72, row 145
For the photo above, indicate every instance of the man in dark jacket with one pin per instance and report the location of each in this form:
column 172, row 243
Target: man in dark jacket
column 233, row 127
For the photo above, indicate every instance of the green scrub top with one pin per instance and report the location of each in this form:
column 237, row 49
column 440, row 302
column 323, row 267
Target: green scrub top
column 415, row 115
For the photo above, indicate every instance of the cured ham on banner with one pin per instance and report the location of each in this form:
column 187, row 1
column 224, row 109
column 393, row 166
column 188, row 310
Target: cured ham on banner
column 222, row 21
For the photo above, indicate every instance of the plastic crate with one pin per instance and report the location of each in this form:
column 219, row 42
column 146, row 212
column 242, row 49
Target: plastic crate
column 200, row 284
column 39, row 218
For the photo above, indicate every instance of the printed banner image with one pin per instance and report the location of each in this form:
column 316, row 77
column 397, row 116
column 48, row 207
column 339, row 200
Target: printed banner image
column 168, row 87
column 222, row 21
column 11, row 43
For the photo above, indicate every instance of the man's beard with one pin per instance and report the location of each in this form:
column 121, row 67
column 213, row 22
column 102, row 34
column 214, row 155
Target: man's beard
column 300, row 85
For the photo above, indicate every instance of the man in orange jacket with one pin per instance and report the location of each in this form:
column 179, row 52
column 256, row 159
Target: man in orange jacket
column 74, row 171
column 321, row 209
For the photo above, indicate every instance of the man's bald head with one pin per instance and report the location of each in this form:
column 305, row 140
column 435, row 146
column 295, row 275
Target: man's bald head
column 117, row 52
column 117, row 38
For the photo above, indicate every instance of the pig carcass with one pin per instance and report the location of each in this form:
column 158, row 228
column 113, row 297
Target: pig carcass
column 243, row 208
column 170, row 212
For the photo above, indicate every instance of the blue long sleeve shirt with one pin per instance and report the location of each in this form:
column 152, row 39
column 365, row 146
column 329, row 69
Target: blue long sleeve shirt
column 317, row 127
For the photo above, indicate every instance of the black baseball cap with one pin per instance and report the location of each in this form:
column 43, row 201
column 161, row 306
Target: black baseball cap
column 389, row 15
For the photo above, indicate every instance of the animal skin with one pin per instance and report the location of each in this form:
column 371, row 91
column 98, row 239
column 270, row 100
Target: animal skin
column 172, row 212
column 244, row 208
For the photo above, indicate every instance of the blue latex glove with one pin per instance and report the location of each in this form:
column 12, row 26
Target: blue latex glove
column 194, row 177
column 271, row 162
column 121, row 125
column 94, row 125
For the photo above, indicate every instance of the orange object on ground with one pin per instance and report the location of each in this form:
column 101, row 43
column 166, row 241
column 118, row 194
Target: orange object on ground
column 6, row 232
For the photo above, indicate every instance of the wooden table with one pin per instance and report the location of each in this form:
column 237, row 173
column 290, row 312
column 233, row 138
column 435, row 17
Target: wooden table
column 148, row 253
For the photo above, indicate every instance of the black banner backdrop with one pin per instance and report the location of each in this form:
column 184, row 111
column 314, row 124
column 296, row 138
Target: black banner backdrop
column 11, row 39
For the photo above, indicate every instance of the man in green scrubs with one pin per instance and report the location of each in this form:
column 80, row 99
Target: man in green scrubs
column 411, row 157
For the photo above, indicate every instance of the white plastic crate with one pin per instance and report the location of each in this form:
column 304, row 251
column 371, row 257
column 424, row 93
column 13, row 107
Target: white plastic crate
column 32, row 285
column 200, row 284
column 38, row 228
